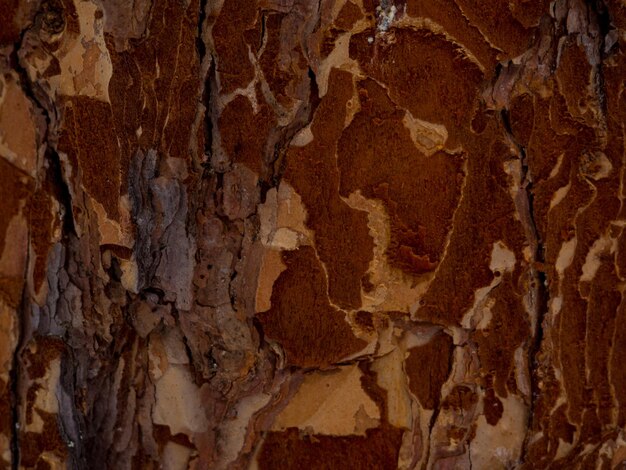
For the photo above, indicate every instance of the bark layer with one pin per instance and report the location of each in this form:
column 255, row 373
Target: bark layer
column 312, row 234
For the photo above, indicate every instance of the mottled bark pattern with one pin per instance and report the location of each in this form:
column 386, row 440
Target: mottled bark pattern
column 302, row 234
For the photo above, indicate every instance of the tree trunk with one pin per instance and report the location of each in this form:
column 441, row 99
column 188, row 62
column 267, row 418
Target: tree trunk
column 300, row 234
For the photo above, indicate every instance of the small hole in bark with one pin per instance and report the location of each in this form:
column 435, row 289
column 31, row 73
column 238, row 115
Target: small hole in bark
column 51, row 16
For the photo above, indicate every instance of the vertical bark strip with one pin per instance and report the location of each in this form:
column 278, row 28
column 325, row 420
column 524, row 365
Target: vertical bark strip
column 296, row 234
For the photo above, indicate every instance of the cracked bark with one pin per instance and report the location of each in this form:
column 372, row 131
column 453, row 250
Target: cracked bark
column 295, row 234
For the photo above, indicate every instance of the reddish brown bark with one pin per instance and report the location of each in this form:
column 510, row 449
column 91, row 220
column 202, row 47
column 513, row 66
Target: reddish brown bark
column 338, row 234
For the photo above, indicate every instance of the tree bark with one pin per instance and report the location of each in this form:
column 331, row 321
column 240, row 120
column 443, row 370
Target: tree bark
column 334, row 234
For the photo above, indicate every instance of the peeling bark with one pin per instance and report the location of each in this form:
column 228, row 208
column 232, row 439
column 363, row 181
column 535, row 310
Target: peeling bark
column 312, row 234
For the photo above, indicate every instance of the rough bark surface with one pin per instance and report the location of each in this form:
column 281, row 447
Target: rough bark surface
column 312, row 234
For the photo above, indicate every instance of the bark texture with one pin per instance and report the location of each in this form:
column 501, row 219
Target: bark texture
column 312, row 234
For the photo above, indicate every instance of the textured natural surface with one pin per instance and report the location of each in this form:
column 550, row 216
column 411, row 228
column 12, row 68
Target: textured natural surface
column 312, row 234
